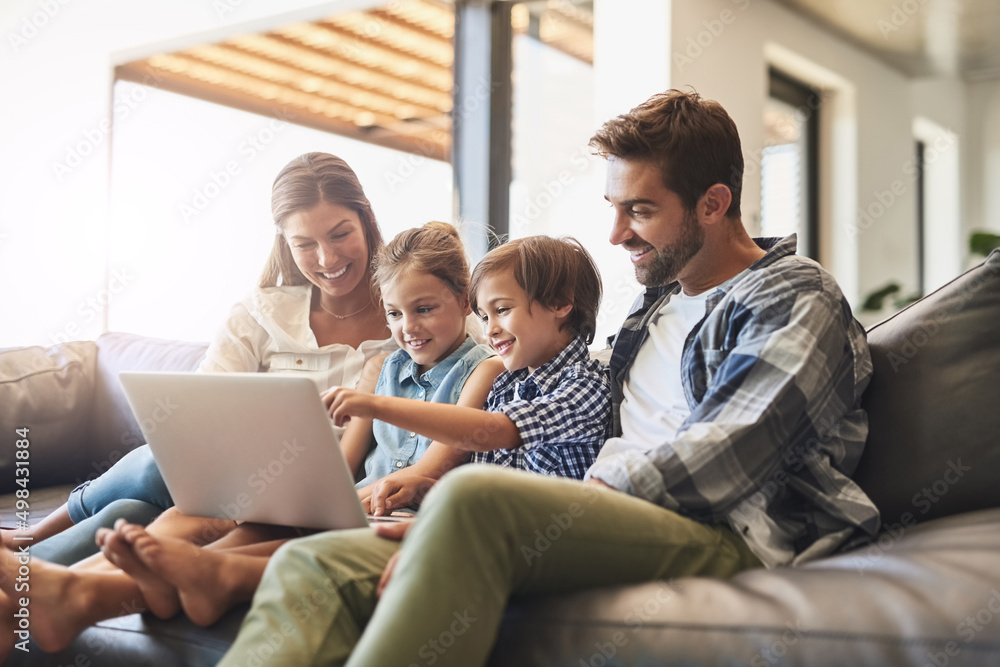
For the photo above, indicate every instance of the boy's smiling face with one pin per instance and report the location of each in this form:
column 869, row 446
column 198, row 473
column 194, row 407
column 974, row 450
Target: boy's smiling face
column 525, row 335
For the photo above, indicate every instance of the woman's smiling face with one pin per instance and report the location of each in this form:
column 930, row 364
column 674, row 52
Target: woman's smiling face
column 328, row 245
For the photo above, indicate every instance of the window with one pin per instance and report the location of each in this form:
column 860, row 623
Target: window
column 789, row 164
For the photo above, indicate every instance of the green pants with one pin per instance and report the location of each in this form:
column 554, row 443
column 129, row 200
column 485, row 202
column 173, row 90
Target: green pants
column 483, row 535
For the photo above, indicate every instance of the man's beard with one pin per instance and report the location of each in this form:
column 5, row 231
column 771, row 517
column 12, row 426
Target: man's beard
column 662, row 268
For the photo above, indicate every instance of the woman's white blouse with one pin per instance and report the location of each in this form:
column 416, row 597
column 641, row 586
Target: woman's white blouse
column 268, row 331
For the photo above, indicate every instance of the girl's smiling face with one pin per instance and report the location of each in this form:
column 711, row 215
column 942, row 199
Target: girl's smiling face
column 426, row 317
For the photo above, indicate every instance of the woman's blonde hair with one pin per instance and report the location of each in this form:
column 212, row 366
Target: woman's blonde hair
column 303, row 184
column 435, row 248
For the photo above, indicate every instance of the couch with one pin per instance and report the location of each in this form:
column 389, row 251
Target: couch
column 926, row 592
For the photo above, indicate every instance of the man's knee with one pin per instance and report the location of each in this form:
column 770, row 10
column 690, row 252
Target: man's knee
column 469, row 485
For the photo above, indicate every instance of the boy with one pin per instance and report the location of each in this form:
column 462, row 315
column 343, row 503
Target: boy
column 550, row 411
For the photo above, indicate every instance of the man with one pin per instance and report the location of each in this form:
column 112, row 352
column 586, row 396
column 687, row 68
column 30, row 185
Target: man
column 736, row 385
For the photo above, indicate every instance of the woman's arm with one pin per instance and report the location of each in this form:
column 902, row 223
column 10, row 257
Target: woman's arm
column 459, row 426
column 358, row 439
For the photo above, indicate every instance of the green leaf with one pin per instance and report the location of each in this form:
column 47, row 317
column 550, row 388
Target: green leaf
column 983, row 243
column 876, row 299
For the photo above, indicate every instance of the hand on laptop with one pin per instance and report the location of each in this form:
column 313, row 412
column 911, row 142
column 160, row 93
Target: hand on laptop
column 399, row 489
column 342, row 404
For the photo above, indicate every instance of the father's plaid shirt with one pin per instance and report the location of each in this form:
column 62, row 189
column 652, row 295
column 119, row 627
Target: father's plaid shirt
column 773, row 375
column 562, row 411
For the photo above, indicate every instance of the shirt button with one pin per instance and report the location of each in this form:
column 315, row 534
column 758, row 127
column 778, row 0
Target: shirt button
column 399, row 464
column 298, row 361
column 413, row 434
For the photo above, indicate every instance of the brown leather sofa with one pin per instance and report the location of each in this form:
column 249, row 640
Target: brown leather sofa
column 926, row 592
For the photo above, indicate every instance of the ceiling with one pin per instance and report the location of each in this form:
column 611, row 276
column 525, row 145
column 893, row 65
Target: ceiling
column 921, row 38
column 384, row 75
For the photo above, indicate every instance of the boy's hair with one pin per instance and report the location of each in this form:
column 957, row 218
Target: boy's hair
column 693, row 141
column 552, row 272
column 435, row 248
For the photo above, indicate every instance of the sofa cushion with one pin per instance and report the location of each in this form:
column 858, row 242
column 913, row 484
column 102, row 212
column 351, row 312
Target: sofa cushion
column 114, row 431
column 933, row 447
column 930, row 596
column 49, row 391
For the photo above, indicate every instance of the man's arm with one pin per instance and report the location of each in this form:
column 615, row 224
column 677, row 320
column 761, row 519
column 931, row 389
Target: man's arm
column 792, row 363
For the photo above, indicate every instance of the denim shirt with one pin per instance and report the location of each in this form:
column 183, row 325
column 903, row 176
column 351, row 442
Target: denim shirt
column 395, row 448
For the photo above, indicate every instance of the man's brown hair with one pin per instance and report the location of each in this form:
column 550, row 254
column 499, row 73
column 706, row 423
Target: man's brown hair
column 552, row 272
column 693, row 141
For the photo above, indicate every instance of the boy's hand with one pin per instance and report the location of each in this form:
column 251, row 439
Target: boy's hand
column 395, row 491
column 342, row 404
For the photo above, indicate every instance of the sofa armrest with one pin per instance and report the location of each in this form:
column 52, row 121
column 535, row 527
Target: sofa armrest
column 50, row 392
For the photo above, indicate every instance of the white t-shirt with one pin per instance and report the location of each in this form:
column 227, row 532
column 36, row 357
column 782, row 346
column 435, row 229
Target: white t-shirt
column 268, row 331
column 654, row 406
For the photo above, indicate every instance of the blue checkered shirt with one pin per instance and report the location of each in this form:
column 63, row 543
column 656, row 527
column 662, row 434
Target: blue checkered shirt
column 562, row 411
column 773, row 375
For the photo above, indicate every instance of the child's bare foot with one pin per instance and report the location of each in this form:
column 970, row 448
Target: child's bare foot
column 161, row 597
column 198, row 574
column 63, row 603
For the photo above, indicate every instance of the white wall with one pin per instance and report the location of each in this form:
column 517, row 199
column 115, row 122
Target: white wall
column 982, row 157
column 723, row 49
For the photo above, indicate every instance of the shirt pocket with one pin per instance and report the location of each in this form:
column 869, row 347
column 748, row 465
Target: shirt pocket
column 286, row 362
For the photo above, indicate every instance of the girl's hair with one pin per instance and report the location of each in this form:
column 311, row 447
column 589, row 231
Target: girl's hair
column 303, row 184
column 552, row 272
column 435, row 248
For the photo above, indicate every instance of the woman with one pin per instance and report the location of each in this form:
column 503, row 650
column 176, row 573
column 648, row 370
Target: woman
column 316, row 312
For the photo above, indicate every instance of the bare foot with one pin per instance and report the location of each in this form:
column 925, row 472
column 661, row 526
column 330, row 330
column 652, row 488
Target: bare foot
column 198, row 574
column 10, row 632
column 161, row 597
column 7, row 540
column 63, row 603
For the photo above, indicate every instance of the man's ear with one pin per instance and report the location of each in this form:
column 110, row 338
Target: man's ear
column 714, row 204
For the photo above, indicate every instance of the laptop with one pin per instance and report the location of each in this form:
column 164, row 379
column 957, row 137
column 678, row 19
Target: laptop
column 246, row 446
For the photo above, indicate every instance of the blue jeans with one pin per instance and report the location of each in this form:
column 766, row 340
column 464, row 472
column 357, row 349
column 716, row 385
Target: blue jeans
column 134, row 477
column 77, row 542
column 132, row 489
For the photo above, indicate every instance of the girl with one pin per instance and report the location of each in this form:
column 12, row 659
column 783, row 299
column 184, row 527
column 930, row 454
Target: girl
column 424, row 279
